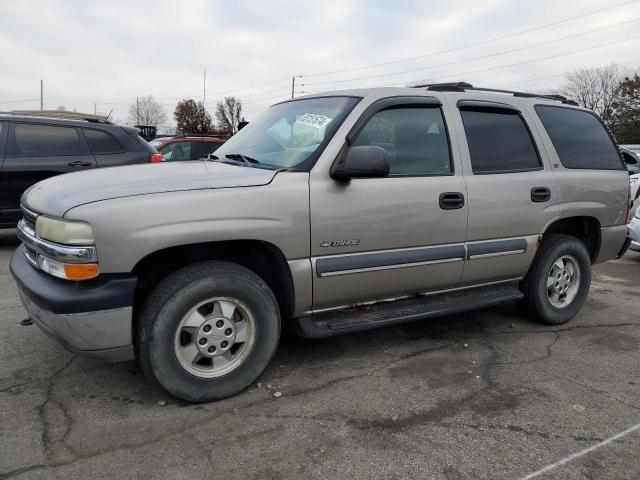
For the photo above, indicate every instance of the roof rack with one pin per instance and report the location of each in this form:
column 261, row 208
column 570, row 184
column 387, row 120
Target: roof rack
column 464, row 86
column 59, row 115
column 206, row 135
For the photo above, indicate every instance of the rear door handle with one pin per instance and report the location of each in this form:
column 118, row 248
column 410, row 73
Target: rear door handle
column 79, row 163
column 540, row 194
column 451, row 200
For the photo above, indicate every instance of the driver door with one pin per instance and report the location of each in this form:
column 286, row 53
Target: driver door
column 381, row 238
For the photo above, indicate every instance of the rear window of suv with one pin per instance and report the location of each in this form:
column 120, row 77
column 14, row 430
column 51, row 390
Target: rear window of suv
column 101, row 142
column 580, row 138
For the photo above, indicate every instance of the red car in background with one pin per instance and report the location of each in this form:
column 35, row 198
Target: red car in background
column 186, row 147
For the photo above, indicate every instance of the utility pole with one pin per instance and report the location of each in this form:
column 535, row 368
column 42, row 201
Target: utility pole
column 293, row 85
column 137, row 111
column 95, row 109
column 204, row 97
column 41, row 95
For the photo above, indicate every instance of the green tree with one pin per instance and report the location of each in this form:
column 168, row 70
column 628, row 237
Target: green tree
column 625, row 120
column 192, row 117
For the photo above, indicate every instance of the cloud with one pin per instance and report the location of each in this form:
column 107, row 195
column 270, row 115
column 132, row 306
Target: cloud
column 108, row 53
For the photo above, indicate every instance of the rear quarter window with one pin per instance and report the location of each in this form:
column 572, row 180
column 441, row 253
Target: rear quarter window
column 101, row 142
column 580, row 138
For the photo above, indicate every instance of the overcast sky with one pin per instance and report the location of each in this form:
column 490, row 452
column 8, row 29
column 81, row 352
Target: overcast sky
column 109, row 52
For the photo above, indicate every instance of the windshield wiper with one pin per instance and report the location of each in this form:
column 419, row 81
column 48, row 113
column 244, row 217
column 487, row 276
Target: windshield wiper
column 249, row 161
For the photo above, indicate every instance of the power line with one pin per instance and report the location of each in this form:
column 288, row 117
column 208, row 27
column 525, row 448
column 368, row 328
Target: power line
column 546, row 77
column 20, row 101
column 496, row 54
column 538, row 59
column 470, row 45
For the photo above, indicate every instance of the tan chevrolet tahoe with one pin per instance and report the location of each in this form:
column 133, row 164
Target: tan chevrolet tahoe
column 331, row 213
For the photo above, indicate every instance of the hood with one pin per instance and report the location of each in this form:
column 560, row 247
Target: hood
column 56, row 195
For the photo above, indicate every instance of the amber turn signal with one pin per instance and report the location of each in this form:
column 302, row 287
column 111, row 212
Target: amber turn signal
column 82, row 271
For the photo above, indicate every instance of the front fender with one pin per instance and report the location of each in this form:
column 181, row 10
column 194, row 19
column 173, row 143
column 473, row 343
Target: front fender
column 128, row 229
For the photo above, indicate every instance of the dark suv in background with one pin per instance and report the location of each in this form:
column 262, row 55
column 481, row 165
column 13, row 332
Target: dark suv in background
column 187, row 147
column 35, row 148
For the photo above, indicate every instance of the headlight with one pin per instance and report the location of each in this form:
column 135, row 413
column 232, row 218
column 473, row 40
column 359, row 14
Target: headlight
column 65, row 232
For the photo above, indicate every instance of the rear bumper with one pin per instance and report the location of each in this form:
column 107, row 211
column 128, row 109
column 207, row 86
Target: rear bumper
column 613, row 242
column 89, row 318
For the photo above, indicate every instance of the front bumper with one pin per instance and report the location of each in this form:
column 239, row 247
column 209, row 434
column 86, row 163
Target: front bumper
column 93, row 318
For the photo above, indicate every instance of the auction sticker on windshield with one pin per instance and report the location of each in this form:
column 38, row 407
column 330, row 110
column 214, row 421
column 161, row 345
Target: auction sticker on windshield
column 313, row 120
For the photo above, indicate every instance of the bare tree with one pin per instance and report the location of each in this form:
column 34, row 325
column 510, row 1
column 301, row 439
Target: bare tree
column 147, row 111
column 229, row 115
column 595, row 88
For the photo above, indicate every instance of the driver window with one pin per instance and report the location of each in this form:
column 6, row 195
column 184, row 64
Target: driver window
column 176, row 151
column 414, row 139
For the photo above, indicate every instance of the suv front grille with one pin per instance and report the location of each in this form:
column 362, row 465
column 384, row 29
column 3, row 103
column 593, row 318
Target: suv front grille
column 29, row 218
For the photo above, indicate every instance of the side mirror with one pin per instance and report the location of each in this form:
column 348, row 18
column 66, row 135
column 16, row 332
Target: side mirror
column 364, row 161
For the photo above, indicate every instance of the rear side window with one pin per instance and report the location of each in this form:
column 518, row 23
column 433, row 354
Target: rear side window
column 414, row 139
column 499, row 142
column 579, row 138
column 40, row 140
column 101, row 142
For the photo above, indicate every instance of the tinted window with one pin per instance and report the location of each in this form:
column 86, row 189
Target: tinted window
column 36, row 140
column 101, row 142
column 579, row 138
column 414, row 138
column 210, row 147
column 499, row 142
column 176, row 151
column 196, row 150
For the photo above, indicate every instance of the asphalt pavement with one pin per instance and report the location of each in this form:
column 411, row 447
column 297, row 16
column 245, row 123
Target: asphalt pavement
column 481, row 395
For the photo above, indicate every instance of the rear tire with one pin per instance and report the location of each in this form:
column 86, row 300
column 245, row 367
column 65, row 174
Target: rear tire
column 208, row 331
column 557, row 283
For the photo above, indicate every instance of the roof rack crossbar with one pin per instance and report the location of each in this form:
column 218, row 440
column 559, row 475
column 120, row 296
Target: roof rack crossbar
column 464, row 86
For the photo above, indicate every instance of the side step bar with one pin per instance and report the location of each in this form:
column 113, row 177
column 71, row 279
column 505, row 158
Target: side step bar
column 329, row 324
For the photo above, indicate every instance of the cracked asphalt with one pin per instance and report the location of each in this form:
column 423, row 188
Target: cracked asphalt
column 483, row 395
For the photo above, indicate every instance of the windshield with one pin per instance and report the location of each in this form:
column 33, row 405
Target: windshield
column 290, row 134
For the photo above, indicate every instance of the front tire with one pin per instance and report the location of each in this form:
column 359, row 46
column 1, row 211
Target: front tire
column 208, row 331
column 558, row 282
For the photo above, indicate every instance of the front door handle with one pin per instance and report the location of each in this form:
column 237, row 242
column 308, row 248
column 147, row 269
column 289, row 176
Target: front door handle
column 79, row 163
column 540, row 194
column 451, row 200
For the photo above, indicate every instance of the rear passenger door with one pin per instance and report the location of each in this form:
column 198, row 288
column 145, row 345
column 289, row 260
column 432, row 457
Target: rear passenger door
column 35, row 152
column 512, row 192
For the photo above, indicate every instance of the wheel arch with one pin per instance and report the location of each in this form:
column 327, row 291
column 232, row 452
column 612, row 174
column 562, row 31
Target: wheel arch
column 263, row 258
column 584, row 228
